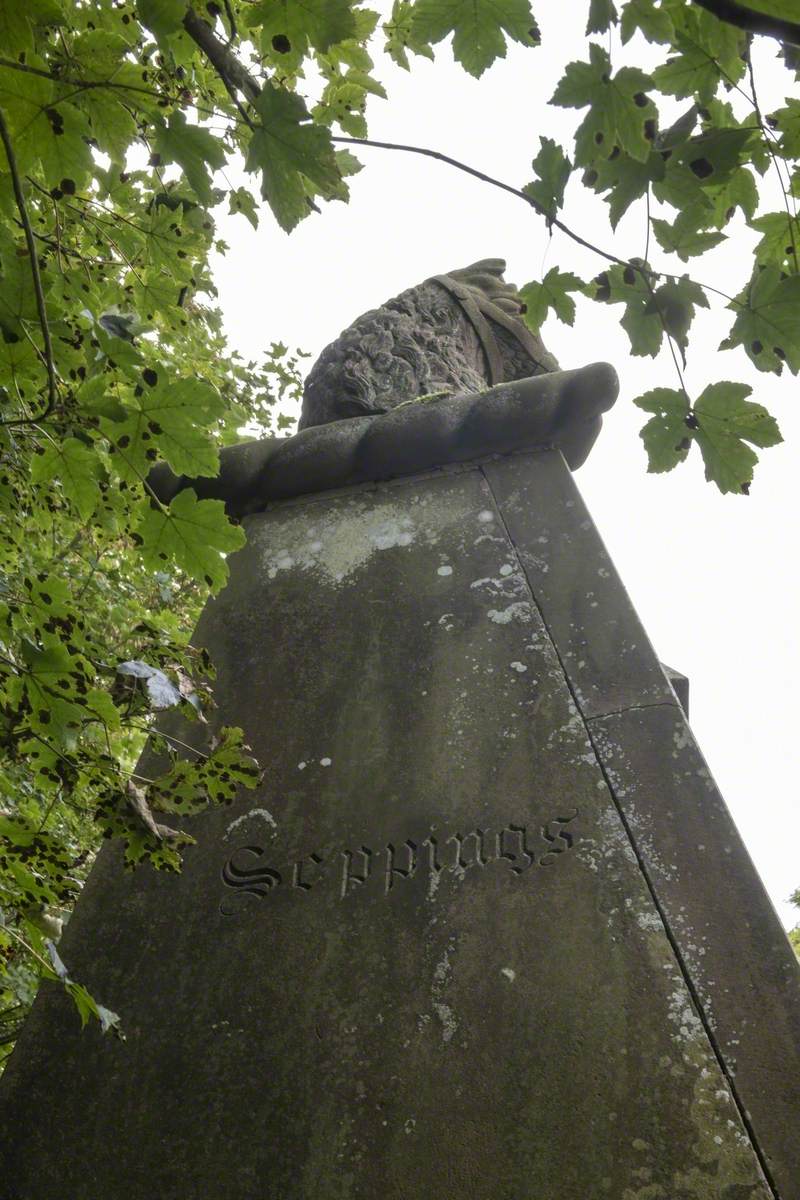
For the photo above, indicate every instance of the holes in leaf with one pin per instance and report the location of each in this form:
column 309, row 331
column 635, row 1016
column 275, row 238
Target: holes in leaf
column 756, row 347
column 599, row 138
column 691, row 421
column 701, row 167
column 629, row 275
column 281, row 44
column 650, row 129
column 779, row 353
column 68, row 187
column 150, row 376
column 603, row 287
column 640, row 100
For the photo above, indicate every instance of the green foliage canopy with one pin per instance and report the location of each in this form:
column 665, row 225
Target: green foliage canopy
column 118, row 120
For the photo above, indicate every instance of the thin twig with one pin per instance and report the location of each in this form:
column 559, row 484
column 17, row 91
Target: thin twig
column 771, row 152
column 52, row 385
column 506, row 187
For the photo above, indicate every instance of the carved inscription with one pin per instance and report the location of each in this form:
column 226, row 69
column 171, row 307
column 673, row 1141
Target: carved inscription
column 520, row 848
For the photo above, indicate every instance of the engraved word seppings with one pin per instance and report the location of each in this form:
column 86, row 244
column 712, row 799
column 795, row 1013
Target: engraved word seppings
column 386, row 868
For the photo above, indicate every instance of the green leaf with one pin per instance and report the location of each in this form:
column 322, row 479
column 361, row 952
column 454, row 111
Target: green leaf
column 16, row 35
column 478, row 28
column 680, row 237
column 553, row 169
column 623, row 179
column 675, row 302
column 195, row 534
column 602, row 15
column 645, row 17
column 666, row 436
column 620, row 112
column 164, row 17
column 113, row 127
column 781, row 241
column 194, row 149
column 726, row 423
column 551, row 293
column 400, row 36
column 767, row 323
column 240, row 200
column 188, row 787
column 75, row 466
column 59, row 138
column 641, row 322
column 319, row 24
column 787, row 121
column 294, row 156
column 171, row 418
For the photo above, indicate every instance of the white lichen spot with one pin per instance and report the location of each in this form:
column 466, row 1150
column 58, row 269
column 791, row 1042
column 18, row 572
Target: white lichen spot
column 485, row 516
column 445, row 570
column 518, row 667
column 449, row 1024
column 509, row 973
column 506, row 569
column 325, row 762
column 520, row 610
column 261, row 814
column 301, row 766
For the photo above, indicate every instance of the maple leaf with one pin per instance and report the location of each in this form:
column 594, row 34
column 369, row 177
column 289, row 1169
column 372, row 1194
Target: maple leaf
column 478, row 28
column 293, row 155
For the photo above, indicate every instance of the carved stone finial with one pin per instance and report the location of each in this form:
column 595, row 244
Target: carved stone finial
column 457, row 333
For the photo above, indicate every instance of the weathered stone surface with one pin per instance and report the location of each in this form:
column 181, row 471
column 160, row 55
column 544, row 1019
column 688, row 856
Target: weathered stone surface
column 562, row 409
column 603, row 648
column 723, row 925
column 423, row 961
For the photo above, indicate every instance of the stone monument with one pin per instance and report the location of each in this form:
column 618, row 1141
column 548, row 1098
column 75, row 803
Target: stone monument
column 487, row 932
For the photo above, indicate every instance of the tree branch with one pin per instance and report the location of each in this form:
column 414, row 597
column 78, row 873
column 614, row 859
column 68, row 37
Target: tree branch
column 732, row 12
column 221, row 57
column 52, row 385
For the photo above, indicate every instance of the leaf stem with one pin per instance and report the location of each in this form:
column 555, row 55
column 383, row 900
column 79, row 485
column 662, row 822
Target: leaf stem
column 52, row 385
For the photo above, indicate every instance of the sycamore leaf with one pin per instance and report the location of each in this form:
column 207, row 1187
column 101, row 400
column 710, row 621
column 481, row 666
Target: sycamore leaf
column 680, row 237
column 623, row 179
column 767, row 322
column 240, row 200
column 400, row 36
column 553, row 169
column 602, row 15
column 193, row 533
column 164, row 17
column 781, row 240
column 75, row 466
column 59, row 137
column 787, row 122
column 478, row 28
column 113, row 127
column 666, row 436
column 641, row 321
column 290, row 27
column 551, row 293
column 188, row 787
column 172, row 418
column 675, row 302
column 620, row 111
column 646, row 17
column 194, row 149
column 293, row 156
column 726, row 423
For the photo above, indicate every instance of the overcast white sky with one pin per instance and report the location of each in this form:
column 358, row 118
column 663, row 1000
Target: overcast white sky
column 715, row 578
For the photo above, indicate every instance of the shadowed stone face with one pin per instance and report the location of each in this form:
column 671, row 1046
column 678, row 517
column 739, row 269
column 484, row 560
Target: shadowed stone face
column 456, row 333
